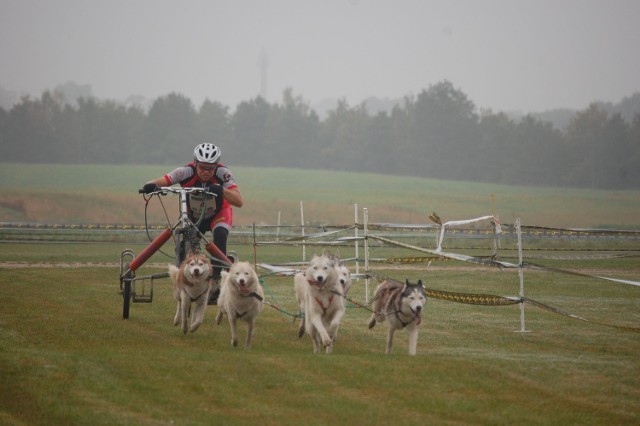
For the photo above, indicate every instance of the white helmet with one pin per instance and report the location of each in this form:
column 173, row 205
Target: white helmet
column 207, row 153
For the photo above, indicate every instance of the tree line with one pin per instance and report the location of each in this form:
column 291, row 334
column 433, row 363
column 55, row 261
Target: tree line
column 438, row 133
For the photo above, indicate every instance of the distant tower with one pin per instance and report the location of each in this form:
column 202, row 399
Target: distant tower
column 263, row 63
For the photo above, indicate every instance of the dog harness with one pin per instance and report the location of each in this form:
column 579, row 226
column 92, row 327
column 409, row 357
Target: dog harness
column 404, row 324
column 252, row 294
column 321, row 286
column 193, row 299
column 246, row 294
column 398, row 311
column 324, row 310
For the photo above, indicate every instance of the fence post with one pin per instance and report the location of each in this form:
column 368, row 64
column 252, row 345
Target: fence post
column 521, row 275
column 355, row 240
column 365, row 222
column 304, row 248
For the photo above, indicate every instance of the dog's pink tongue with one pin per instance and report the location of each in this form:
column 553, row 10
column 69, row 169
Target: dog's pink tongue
column 419, row 318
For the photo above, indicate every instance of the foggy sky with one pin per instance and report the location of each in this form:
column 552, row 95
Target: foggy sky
column 507, row 55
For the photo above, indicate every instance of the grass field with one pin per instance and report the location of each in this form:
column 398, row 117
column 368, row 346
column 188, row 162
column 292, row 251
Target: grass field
column 68, row 357
column 108, row 194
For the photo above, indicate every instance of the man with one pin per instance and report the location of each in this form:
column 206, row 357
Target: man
column 206, row 171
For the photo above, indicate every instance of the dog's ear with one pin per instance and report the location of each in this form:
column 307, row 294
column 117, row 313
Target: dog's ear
column 420, row 283
column 189, row 252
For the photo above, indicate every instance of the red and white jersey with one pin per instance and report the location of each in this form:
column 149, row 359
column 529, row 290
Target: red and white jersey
column 187, row 177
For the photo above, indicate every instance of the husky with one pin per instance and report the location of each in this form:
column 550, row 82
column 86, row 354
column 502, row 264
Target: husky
column 319, row 295
column 241, row 297
column 301, row 285
column 191, row 285
column 402, row 306
column 344, row 276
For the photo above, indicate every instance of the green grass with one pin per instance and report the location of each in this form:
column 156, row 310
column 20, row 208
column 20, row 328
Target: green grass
column 68, row 357
column 99, row 193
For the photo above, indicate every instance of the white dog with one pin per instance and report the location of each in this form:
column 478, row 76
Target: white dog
column 344, row 276
column 241, row 297
column 402, row 306
column 320, row 300
column 191, row 285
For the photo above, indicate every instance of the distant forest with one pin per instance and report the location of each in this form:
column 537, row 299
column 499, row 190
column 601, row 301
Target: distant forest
column 439, row 133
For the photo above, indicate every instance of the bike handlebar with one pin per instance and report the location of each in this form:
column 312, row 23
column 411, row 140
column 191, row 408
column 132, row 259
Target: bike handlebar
column 164, row 190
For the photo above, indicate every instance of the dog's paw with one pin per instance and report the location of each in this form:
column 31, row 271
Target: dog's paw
column 372, row 323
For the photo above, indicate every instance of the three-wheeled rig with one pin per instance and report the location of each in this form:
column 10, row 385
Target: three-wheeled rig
column 187, row 237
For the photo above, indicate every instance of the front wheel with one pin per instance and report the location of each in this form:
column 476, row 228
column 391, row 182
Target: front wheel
column 187, row 241
column 126, row 278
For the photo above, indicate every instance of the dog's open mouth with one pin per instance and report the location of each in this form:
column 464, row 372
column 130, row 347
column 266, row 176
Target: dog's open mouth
column 417, row 315
column 243, row 286
column 319, row 284
column 197, row 273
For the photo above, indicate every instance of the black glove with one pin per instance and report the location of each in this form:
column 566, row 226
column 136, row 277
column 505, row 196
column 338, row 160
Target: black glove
column 148, row 188
column 215, row 189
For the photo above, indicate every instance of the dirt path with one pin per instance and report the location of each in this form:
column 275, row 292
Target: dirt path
column 486, row 269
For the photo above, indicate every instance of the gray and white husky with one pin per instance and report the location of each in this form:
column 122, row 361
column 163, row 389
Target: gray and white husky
column 402, row 306
column 319, row 294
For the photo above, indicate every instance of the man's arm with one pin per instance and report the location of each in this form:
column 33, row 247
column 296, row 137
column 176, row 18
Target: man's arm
column 233, row 196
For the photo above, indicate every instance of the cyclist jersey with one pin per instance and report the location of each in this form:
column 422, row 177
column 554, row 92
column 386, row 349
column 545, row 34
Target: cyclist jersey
column 187, row 177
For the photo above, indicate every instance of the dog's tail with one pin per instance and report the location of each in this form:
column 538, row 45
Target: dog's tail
column 173, row 272
column 223, row 277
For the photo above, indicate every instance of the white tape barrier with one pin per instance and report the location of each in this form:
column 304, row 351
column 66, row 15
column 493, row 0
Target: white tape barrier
column 452, row 223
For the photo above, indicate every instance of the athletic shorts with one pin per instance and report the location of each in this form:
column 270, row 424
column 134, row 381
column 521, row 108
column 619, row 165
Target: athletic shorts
column 224, row 218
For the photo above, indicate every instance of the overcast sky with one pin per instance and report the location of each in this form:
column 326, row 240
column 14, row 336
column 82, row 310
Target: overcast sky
column 507, row 55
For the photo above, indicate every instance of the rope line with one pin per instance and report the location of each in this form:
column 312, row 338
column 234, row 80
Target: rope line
column 276, row 306
column 534, row 231
column 494, row 300
column 570, row 315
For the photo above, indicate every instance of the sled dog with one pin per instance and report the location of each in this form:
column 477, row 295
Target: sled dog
column 402, row 306
column 319, row 296
column 300, row 284
column 344, row 276
column 191, row 285
column 241, row 297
